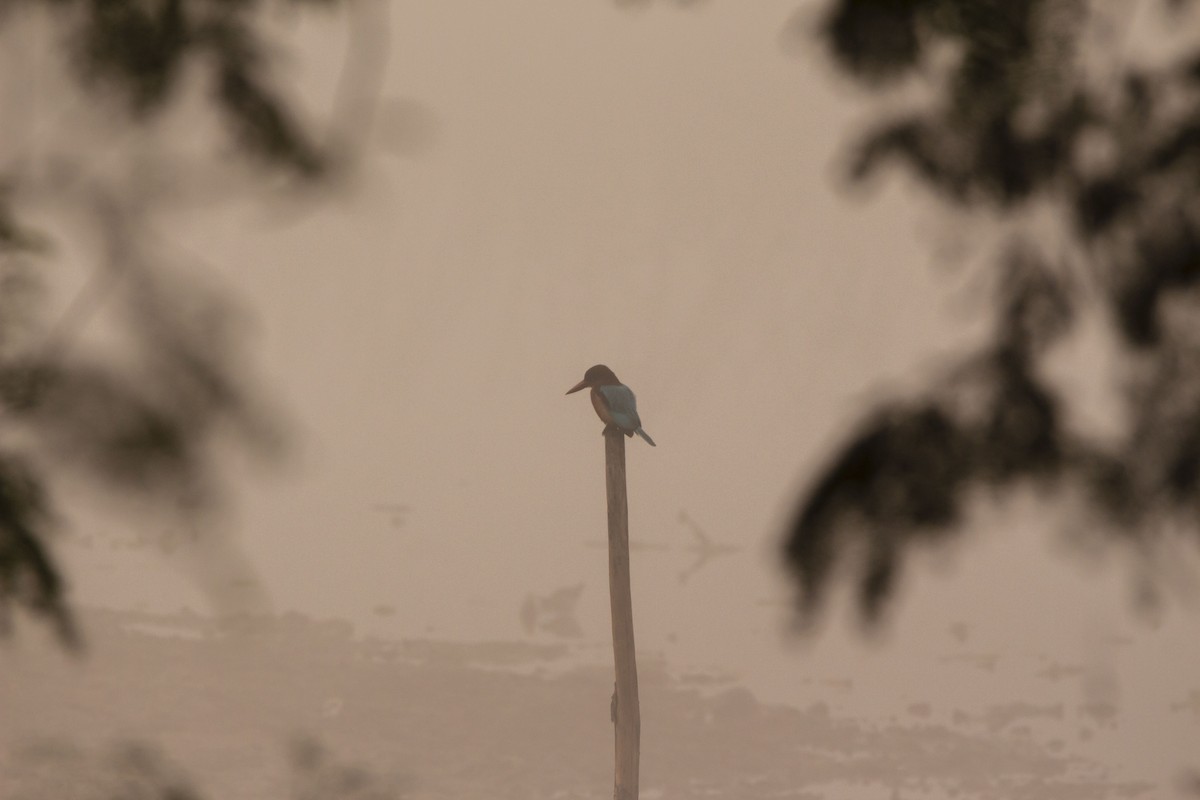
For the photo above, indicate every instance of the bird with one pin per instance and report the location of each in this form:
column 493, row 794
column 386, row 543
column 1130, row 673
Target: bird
column 614, row 402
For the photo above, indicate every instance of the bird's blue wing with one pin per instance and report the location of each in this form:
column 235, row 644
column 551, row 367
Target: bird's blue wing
column 622, row 406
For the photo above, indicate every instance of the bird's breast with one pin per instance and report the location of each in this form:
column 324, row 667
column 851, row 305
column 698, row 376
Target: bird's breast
column 616, row 406
column 601, row 405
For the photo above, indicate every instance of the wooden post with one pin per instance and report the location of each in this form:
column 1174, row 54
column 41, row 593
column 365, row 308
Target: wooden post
column 626, row 713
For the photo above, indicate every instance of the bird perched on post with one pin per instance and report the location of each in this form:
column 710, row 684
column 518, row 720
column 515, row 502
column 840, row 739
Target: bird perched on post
column 614, row 402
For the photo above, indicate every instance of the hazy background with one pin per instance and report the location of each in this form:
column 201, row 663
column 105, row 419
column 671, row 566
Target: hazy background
column 654, row 189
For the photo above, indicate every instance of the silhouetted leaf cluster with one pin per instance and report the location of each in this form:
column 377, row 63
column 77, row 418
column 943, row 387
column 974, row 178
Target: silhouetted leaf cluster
column 28, row 575
column 136, row 54
column 908, row 470
column 1004, row 122
column 145, row 423
column 147, row 426
column 1015, row 114
column 141, row 50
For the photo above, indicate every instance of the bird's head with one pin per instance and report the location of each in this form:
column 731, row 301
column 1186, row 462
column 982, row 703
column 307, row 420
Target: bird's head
column 598, row 375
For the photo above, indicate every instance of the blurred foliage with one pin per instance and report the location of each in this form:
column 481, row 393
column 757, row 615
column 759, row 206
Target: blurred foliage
column 1026, row 112
column 145, row 419
column 146, row 425
column 139, row 771
column 318, row 776
column 133, row 771
column 140, row 51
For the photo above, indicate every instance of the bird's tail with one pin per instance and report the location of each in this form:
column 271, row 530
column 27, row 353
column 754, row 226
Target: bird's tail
column 645, row 436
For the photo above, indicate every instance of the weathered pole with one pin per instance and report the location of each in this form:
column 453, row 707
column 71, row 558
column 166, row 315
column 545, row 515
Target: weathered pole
column 626, row 713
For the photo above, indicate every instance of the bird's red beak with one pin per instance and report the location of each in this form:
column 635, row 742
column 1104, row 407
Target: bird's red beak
column 581, row 385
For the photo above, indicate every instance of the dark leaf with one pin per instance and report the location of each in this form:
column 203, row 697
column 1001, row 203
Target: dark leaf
column 902, row 473
column 1100, row 203
column 137, row 47
column 1167, row 257
column 95, row 421
column 262, row 124
column 878, row 581
column 1020, row 436
column 875, row 40
column 28, row 575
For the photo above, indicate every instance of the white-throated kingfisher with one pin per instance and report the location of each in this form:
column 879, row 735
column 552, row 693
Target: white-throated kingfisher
column 614, row 402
